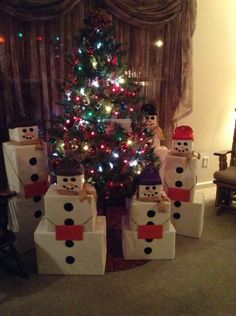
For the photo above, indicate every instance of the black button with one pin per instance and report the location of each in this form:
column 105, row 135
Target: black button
column 38, row 214
column 179, row 183
column 69, row 221
column 34, row 177
column 151, row 213
column 177, row 203
column 68, row 207
column 176, row 215
column 150, row 223
column 70, row 259
column 148, row 240
column 179, row 170
column 37, row 198
column 69, row 243
column 33, row 161
column 148, row 250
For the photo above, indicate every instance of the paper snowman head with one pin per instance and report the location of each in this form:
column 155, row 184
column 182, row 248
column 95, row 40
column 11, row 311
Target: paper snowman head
column 182, row 140
column 150, row 184
column 70, row 176
column 149, row 116
column 23, row 130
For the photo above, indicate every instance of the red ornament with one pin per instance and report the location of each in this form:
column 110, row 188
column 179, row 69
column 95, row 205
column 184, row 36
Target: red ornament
column 115, row 60
column 115, row 88
column 39, row 38
column 90, row 51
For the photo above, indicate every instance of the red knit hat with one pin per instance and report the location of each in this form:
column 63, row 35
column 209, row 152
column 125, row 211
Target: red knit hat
column 183, row 132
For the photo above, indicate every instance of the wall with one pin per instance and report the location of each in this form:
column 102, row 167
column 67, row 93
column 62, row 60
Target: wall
column 214, row 75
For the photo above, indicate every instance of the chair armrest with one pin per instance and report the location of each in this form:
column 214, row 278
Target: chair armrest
column 222, row 158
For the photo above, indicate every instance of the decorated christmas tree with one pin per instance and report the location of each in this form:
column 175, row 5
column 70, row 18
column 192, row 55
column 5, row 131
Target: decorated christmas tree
column 101, row 124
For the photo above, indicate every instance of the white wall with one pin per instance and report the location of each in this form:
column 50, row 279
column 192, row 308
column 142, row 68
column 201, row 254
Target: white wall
column 214, row 81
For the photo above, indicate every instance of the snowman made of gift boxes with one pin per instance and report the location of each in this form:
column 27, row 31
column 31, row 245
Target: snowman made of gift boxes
column 166, row 202
column 71, row 239
column 26, row 164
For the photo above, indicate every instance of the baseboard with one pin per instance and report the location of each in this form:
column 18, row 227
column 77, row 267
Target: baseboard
column 205, row 184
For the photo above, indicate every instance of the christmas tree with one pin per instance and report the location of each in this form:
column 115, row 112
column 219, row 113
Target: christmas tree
column 101, row 125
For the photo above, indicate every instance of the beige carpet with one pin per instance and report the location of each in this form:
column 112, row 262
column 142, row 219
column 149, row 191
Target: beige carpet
column 201, row 280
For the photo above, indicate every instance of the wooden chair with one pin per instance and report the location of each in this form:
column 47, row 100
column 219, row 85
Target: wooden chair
column 9, row 258
column 225, row 178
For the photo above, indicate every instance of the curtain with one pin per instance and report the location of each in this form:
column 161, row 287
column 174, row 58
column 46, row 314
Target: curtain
column 37, row 36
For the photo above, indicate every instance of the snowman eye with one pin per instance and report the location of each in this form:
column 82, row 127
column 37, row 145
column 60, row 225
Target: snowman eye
column 154, row 187
column 147, row 188
column 31, row 129
column 179, row 143
column 152, row 117
column 65, row 180
column 146, row 117
column 24, row 130
column 185, row 144
column 73, row 179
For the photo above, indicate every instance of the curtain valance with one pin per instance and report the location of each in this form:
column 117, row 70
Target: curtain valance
column 144, row 13
column 136, row 12
column 36, row 10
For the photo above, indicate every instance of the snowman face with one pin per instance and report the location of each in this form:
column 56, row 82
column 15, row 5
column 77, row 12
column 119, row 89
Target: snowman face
column 70, row 183
column 150, row 121
column 22, row 134
column 182, row 146
column 150, row 192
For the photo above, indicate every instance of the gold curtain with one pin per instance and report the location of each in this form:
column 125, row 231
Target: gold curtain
column 33, row 67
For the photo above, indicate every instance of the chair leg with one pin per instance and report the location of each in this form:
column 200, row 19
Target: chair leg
column 217, row 199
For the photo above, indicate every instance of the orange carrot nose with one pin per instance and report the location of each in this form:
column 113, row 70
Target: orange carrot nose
column 29, row 134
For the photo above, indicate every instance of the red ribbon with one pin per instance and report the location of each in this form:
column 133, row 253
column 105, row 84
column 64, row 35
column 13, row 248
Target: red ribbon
column 150, row 231
column 69, row 232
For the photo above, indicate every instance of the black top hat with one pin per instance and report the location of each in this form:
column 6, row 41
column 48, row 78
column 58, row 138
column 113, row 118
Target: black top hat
column 148, row 109
column 69, row 167
column 21, row 121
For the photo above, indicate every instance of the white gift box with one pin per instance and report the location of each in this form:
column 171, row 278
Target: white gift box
column 24, row 134
column 188, row 217
column 61, row 209
column 139, row 249
column 24, row 217
column 70, row 183
column 26, row 166
column 181, row 146
column 87, row 256
column 142, row 213
column 180, row 177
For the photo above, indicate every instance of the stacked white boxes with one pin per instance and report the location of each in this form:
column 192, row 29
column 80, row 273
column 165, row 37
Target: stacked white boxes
column 26, row 163
column 72, row 238
column 147, row 232
column 150, row 120
column 180, row 178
